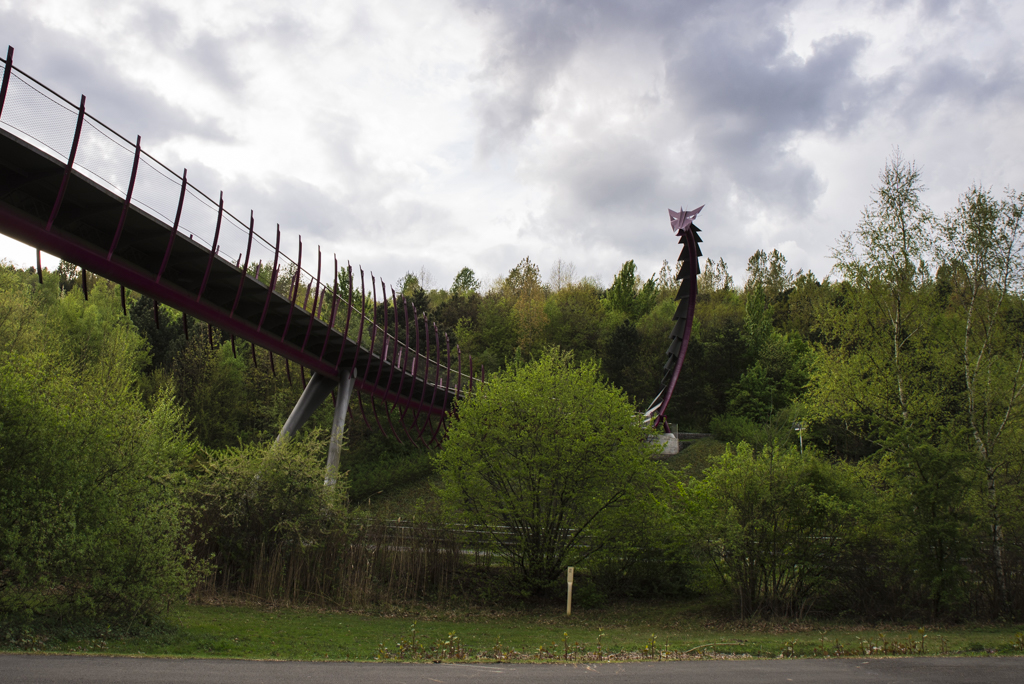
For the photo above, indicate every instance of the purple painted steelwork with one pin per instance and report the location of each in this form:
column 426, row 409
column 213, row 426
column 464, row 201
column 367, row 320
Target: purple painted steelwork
column 295, row 291
column 682, row 224
column 415, row 369
column 402, row 351
column 362, row 317
column 426, row 370
column 373, row 329
column 447, row 385
column 127, row 198
column 213, row 248
column 7, row 77
column 67, row 169
column 405, row 364
column 245, row 266
column 369, row 359
column 174, row 228
column 175, row 293
column 316, row 294
column 26, row 230
column 334, row 310
column 273, row 279
column 394, row 356
column 458, row 383
column 312, row 317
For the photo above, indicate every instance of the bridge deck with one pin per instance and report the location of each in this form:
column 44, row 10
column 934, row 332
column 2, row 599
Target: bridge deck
column 110, row 211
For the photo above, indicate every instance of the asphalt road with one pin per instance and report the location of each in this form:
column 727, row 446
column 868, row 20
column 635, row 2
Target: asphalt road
column 47, row 669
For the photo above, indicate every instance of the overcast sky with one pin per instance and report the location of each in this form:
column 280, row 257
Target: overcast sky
column 439, row 134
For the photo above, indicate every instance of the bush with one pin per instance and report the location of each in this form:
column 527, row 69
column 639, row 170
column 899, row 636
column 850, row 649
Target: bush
column 554, row 463
column 92, row 519
column 774, row 528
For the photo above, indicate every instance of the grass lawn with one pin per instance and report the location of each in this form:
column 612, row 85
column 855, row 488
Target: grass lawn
column 625, row 631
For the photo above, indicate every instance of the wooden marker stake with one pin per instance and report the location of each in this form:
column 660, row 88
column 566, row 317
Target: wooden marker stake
column 568, row 602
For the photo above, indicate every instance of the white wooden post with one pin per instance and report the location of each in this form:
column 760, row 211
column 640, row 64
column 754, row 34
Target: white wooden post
column 568, row 602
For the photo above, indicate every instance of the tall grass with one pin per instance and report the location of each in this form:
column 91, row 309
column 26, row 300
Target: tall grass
column 372, row 563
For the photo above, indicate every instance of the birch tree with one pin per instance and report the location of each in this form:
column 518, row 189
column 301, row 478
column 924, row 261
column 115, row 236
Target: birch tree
column 982, row 249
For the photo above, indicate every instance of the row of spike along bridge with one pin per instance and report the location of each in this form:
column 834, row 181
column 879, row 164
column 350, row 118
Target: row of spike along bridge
column 72, row 187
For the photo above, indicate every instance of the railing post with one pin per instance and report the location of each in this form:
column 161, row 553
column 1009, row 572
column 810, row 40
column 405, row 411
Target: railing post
column 7, row 77
column 334, row 311
column 127, row 198
column 316, row 294
column 67, row 169
column 174, row 228
column 295, row 291
column 273, row 279
column 245, row 266
column 213, row 248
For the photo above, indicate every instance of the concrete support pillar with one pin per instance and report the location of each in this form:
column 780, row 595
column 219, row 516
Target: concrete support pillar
column 317, row 389
column 345, row 386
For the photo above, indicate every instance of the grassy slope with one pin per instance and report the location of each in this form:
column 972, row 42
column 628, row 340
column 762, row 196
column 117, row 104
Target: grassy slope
column 240, row 631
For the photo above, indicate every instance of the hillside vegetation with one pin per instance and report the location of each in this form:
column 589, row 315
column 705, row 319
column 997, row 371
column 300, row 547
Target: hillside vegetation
column 867, row 459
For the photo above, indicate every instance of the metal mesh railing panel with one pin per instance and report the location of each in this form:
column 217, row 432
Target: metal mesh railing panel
column 40, row 118
column 47, row 121
column 156, row 190
column 105, row 158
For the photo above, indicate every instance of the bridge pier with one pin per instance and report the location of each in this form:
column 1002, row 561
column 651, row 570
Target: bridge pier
column 317, row 390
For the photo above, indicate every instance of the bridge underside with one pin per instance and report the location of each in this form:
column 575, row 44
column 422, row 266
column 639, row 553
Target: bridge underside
column 66, row 188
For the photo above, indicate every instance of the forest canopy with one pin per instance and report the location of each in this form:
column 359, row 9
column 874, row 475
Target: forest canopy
column 865, row 457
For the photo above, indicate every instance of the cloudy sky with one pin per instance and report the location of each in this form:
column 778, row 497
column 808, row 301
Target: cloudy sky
column 447, row 133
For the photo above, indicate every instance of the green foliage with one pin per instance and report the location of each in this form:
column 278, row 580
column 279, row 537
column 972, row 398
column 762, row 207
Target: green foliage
column 631, row 295
column 773, row 527
column 260, row 496
column 93, row 519
column 465, row 283
column 768, row 273
column 553, row 460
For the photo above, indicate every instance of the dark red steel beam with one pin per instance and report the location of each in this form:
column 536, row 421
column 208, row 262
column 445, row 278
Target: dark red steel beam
column 70, row 164
column 245, row 266
column 32, row 231
column 7, row 77
column 127, row 198
column 174, row 228
column 213, row 247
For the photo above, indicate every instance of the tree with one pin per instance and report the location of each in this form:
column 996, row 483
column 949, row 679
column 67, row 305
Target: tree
column 713, row 277
column 982, row 249
column 553, row 460
column 465, row 283
column 92, row 518
column 768, row 272
column 631, row 295
column 522, row 291
column 774, row 527
column 884, row 371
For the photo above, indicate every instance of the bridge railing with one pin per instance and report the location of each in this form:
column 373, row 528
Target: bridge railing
column 41, row 117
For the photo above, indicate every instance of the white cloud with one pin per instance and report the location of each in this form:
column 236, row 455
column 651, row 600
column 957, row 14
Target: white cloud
column 444, row 134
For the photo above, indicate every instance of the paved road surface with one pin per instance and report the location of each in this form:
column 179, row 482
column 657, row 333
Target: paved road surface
column 40, row 669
